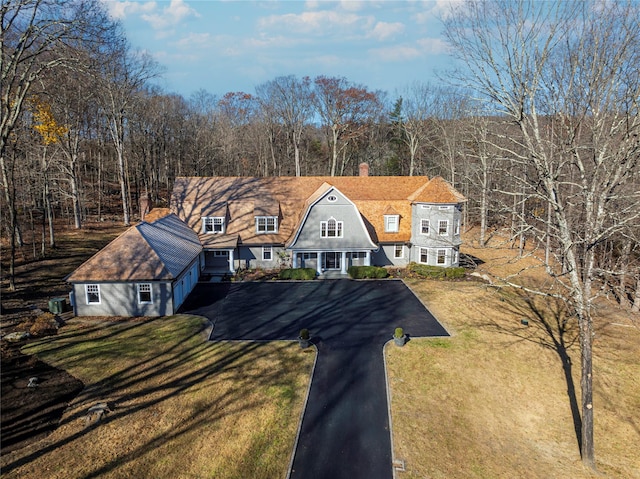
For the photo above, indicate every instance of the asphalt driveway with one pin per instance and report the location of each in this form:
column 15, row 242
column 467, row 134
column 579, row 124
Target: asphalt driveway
column 345, row 428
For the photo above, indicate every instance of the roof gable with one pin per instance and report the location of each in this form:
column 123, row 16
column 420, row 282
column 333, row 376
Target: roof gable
column 155, row 251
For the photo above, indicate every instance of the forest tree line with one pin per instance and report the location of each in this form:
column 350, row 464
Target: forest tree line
column 540, row 131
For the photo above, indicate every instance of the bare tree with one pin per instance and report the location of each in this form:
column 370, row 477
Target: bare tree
column 565, row 73
column 33, row 40
column 345, row 110
column 288, row 100
column 124, row 73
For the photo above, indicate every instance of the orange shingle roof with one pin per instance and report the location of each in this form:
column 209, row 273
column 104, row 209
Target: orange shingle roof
column 196, row 197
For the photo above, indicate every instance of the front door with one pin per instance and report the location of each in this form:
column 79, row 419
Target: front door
column 332, row 260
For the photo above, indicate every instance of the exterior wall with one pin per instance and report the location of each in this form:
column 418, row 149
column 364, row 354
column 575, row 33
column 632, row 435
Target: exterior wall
column 185, row 284
column 385, row 256
column 355, row 235
column 121, row 299
column 435, row 241
column 251, row 257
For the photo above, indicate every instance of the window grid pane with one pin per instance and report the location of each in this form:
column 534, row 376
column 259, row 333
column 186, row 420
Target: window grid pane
column 443, row 227
column 144, row 293
column 266, row 253
column 93, row 293
column 424, row 227
column 442, row 256
column 424, row 255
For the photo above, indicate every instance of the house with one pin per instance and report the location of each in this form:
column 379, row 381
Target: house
column 217, row 225
column 146, row 271
column 326, row 223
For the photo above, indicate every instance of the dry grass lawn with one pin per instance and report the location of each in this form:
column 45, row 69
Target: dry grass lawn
column 181, row 407
column 499, row 399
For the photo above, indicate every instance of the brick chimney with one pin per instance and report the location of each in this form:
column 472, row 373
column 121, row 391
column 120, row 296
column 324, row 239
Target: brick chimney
column 364, row 169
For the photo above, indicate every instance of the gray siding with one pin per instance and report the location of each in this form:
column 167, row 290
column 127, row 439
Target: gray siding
column 355, row 235
column 121, row 299
column 251, row 257
column 433, row 241
column 385, row 256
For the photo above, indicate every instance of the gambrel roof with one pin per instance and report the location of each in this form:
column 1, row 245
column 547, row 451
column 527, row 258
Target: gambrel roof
column 156, row 250
column 288, row 198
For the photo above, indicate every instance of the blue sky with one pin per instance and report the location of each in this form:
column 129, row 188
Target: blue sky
column 223, row 46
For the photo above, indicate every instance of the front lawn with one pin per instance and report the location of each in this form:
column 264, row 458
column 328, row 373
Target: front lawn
column 180, row 406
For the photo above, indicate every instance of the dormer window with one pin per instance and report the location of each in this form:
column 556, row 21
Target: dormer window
column 331, row 228
column 391, row 223
column 266, row 224
column 213, row 224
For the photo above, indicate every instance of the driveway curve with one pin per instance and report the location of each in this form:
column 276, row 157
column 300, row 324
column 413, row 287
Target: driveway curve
column 345, row 426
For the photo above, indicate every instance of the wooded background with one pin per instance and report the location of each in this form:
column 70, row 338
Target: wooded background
column 539, row 130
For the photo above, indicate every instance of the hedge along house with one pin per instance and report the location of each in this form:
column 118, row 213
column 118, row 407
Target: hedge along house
column 326, row 223
column 146, row 271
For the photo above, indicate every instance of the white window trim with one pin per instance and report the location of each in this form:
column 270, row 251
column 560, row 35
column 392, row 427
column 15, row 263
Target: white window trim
column 395, row 251
column 267, row 249
column 422, row 223
column 266, row 219
column 426, row 251
column 446, row 229
column 391, row 223
column 441, row 253
column 138, row 288
column 456, row 230
column 215, row 220
column 324, row 228
column 86, row 291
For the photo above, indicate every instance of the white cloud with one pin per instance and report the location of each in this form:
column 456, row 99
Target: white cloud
column 384, row 30
column 396, row 53
column 313, row 22
column 194, row 40
column 433, row 46
column 120, row 10
column 170, row 16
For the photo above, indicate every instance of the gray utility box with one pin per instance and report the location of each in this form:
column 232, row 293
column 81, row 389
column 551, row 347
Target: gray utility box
column 57, row 305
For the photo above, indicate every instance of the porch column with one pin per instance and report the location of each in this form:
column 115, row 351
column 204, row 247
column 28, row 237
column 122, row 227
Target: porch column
column 344, row 262
column 231, row 268
column 367, row 258
column 319, row 263
column 294, row 259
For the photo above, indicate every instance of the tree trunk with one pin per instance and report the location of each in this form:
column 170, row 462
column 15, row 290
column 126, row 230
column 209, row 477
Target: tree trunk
column 586, row 387
column 636, row 299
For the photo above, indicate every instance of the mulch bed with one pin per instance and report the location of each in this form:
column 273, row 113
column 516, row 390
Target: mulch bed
column 30, row 413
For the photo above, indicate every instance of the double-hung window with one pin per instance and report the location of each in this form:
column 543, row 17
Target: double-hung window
column 331, row 228
column 442, row 256
column 398, row 251
column 213, row 224
column 266, row 224
column 93, row 293
column 267, row 253
column 144, row 293
column 456, row 230
column 424, row 227
column 443, row 227
column 391, row 223
column 424, row 255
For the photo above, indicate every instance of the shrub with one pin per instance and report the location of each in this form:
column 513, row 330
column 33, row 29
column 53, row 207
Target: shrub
column 304, row 334
column 362, row 272
column 436, row 272
column 297, row 273
column 398, row 333
column 45, row 325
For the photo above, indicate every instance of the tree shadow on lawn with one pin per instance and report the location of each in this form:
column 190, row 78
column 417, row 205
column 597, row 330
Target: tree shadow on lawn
column 547, row 321
column 127, row 390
